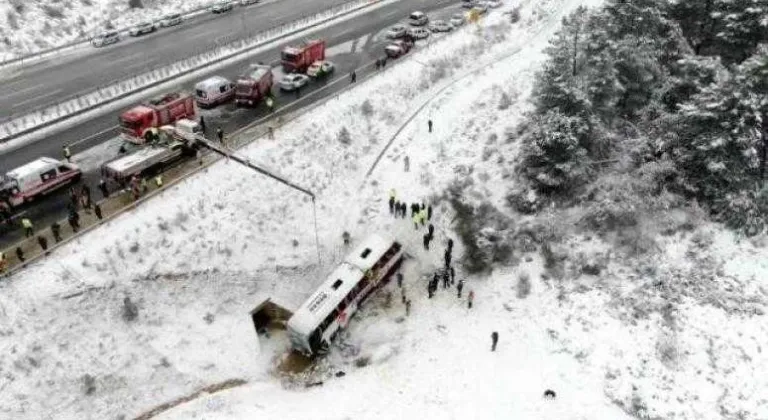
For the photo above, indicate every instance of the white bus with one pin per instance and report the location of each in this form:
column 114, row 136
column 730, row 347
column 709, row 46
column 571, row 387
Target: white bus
column 329, row 309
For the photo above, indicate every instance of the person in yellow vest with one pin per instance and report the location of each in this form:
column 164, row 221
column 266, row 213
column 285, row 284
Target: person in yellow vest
column 67, row 153
column 270, row 103
column 423, row 216
column 28, row 229
column 159, row 181
column 416, row 216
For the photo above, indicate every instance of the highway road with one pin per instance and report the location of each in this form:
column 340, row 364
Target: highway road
column 350, row 45
column 42, row 83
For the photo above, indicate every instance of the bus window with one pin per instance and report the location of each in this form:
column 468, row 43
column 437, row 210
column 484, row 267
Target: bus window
column 337, row 284
column 63, row 169
column 45, row 176
column 365, row 253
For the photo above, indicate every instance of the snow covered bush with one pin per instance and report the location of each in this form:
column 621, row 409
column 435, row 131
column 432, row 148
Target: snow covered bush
column 524, row 200
column 485, row 233
column 554, row 154
column 745, row 211
column 366, row 108
column 612, row 202
column 344, row 137
column 523, row 285
column 135, row 4
column 130, row 311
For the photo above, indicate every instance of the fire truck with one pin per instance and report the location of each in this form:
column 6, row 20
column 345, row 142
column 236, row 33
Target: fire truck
column 139, row 124
column 35, row 179
column 254, row 85
column 298, row 58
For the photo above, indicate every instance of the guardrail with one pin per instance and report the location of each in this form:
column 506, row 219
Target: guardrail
column 38, row 55
column 15, row 126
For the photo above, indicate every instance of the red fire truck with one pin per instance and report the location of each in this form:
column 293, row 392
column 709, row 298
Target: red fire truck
column 298, row 58
column 137, row 123
column 254, row 85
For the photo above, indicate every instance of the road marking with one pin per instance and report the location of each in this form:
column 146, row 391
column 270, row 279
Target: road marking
column 34, row 98
column 95, row 135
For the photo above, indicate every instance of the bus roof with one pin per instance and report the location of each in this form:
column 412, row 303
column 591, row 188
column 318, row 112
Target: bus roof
column 328, row 296
column 33, row 168
column 365, row 255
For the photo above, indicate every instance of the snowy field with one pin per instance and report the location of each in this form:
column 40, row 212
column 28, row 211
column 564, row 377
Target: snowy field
column 27, row 26
column 196, row 260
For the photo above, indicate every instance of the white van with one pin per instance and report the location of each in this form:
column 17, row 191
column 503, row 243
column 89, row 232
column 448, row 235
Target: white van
column 418, row 19
column 213, row 91
column 37, row 178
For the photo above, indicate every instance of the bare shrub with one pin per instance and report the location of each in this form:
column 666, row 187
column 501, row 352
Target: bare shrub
column 745, row 211
column 504, row 101
column 550, row 259
column 53, row 12
column 130, row 310
column 614, row 202
column 18, row 6
column 134, row 248
column 525, row 201
column 108, row 25
column 135, row 4
column 363, row 361
column 523, row 285
column 89, row 384
column 514, row 15
column 344, row 137
column 366, row 108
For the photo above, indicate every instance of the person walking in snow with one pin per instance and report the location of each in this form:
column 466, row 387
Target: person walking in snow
column 28, row 228
column 20, row 254
column 429, row 124
column 345, row 237
column 453, row 275
column 423, row 216
column 429, row 212
column 416, row 221
column 220, row 135
column 450, row 244
column 414, row 209
column 391, row 204
column 470, row 299
column 459, row 287
column 408, row 307
column 352, row 77
column 56, row 231
column 67, row 153
column 97, row 210
column 446, row 279
column 494, row 340
column 43, row 243
column 74, row 221
column 430, row 290
column 103, row 188
column 447, row 258
column 426, row 241
column 431, row 230
column 402, row 295
column 397, row 209
column 202, row 124
column 403, row 210
column 400, row 280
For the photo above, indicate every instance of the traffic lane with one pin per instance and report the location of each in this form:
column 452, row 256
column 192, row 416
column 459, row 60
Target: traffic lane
column 96, row 130
column 31, row 87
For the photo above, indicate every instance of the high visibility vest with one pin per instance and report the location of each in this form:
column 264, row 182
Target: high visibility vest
column 67, row 153
column 26, row 223
column 159, row 180
column 269, row 102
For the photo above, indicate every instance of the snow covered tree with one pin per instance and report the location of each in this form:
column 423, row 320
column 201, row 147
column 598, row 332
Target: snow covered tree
column 688, row 76
column 555, row 151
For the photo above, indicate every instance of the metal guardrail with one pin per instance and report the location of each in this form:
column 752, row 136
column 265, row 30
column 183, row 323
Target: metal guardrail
column 16, row 126
column 37, row 55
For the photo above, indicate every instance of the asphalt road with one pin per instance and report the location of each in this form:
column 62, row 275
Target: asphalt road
column 350, row 45
column 42, row 83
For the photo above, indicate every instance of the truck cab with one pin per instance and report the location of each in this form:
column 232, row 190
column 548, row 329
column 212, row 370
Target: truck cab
column 299, row 58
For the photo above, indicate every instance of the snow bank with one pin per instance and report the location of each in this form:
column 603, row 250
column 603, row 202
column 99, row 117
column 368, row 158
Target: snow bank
column 197, row 259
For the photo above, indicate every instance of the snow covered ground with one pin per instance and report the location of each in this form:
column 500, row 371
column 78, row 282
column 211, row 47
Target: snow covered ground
column 27, row 26
column 196, row 260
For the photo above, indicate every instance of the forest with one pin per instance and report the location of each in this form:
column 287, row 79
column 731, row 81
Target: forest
column 648, row 105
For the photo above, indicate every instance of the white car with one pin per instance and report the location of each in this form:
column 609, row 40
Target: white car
column 468, row 4
column 247, row 2
column 493, row 4
column 419, row 33
column 440, row 26
column 320, row 69
column 221, row 6
column 397, row 31
column 170, row 20
column 457, row 20
column 293, row 81
column 142, row 28
column 105, row 38
column 418, row 19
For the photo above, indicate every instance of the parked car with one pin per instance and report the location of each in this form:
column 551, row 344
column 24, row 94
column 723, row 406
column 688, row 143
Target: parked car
column 493, row 4
column 170, row 20
column 440, row 26
column 418, row 19
column 221, row 6
column 419, row 33
column 397, row 31
column 320, row 68
column 398, row 48
column 247, row 2
column 142, row 28
column 293, row 81
column 468, row 4
column 457, row 20
column 105, row 38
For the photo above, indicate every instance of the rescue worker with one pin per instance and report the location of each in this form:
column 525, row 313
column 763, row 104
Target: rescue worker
column 446, row 279
column 494, row 340
column 426, row 241
column 400, row 280
column 402, row 295
column 103, row 188
column 85, row 197
column 202, row 124
column 414, row 209
column 352, row 77
column 28, row 229
column 43, row 243
column 470, row 299
column 430, row 291
column 74, row 221
column 453, row 275
column 431, row 229
column 391, row 201
column 408, row 307
column 415, row 221
column 144, row 185
column 97, row 210
column 220, row 135
column 423, row 216
column 407, row 163
column 56, row 231
column 159, row 181
column 429, row 212
column 345, row 237
column 3, row 262
column 450, row 244
column 378, row 63
column 271, row 131
column 459, row 287
column 270, row 103
column 429, row 124
column 67, row 153
column 20, row 254
column 447, row 258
